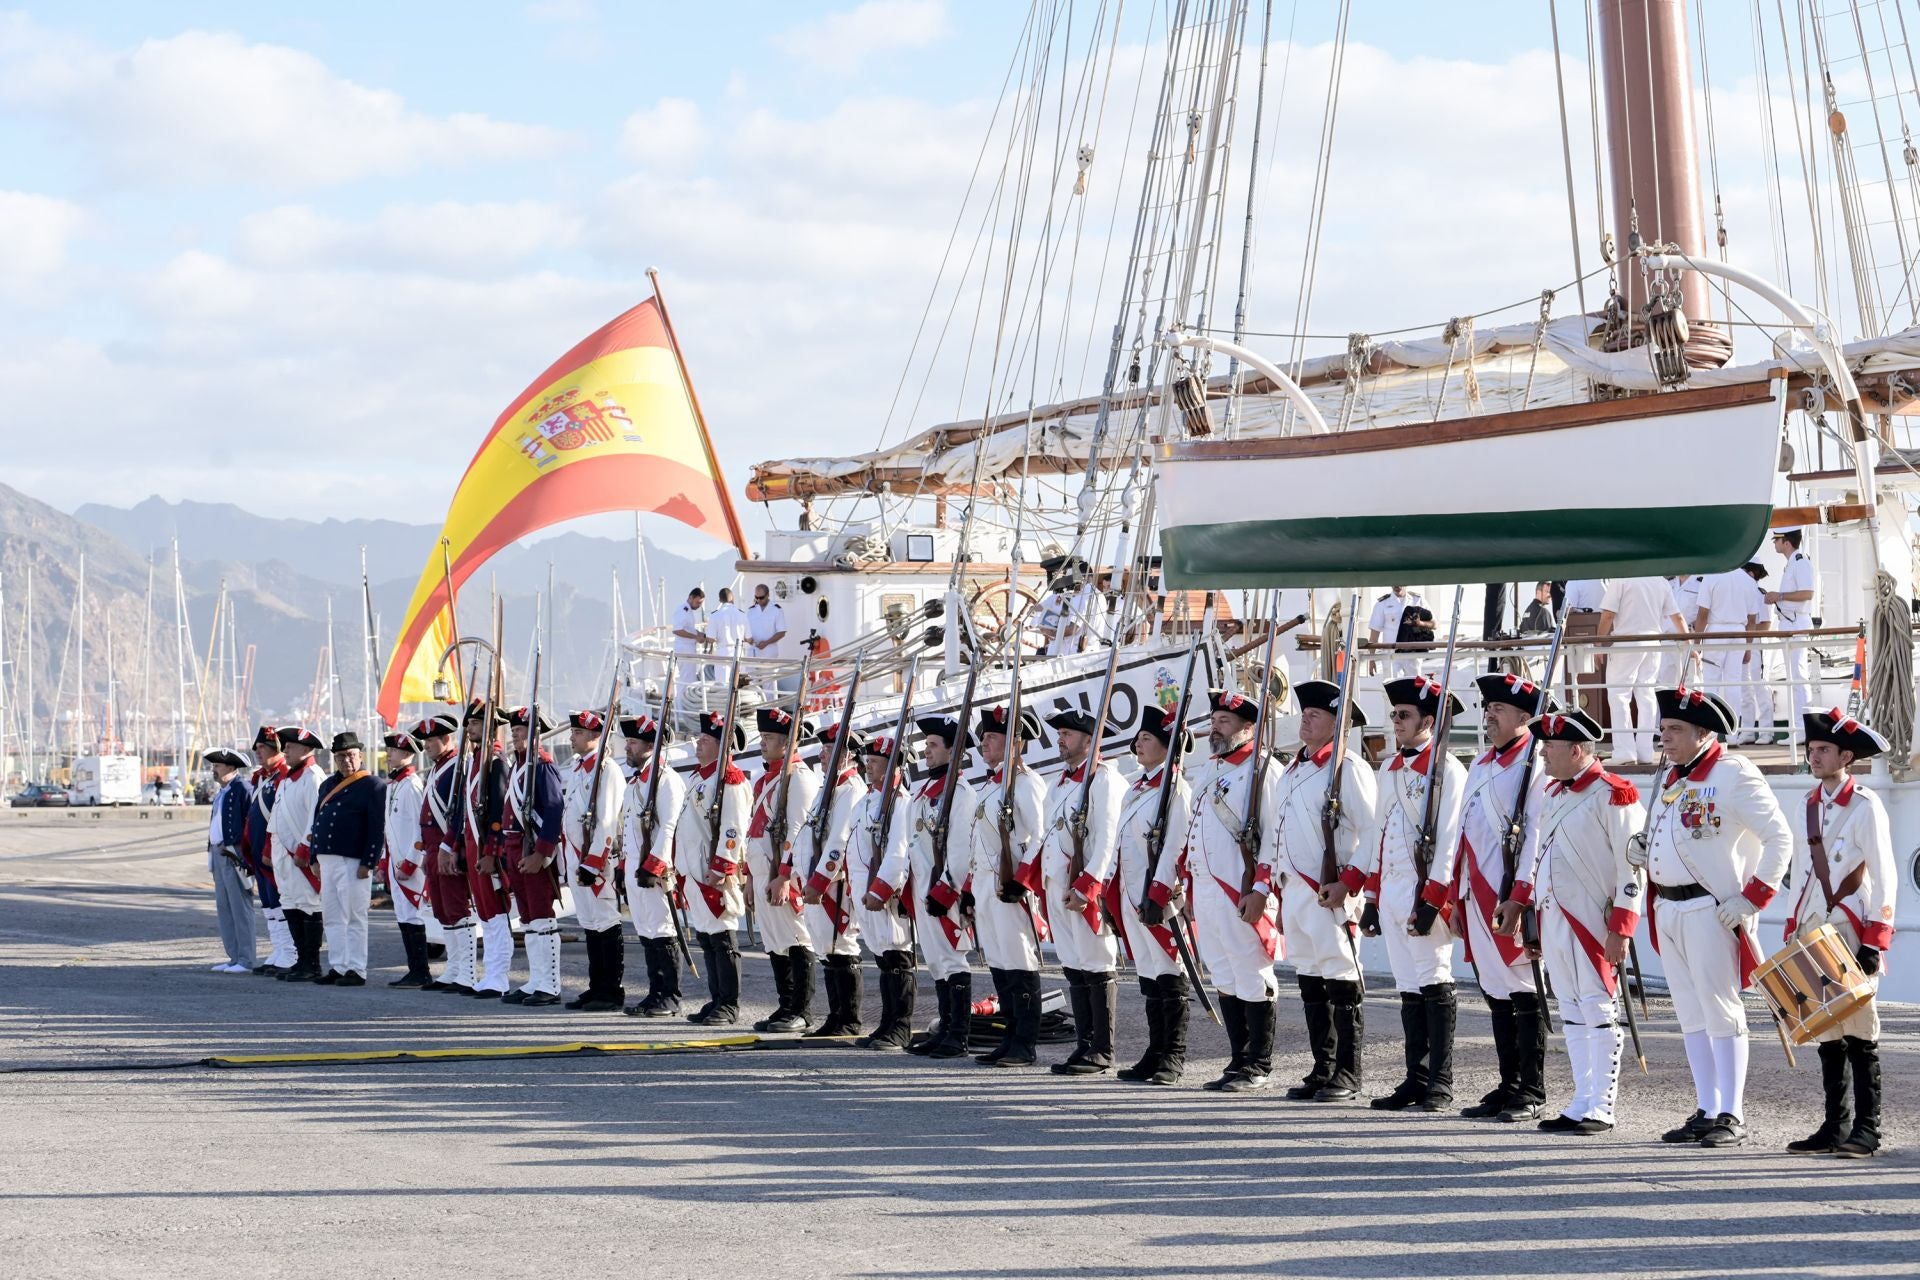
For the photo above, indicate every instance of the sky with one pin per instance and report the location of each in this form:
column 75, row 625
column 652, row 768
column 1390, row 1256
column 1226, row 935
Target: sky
column 299, row 257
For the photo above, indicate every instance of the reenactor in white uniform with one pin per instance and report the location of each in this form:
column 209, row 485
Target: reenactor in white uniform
column 946, row 941
column 589, row 858
column 483, row 802
column 531, row 822
column 1409, row 910
column 1076, row 889
column 295, row 798
column 1237, row 929
column 443, row 859
column 649, row 865
column 782, row 919
column 830, row 917
column 1481, row 879
column 1843, row 863
column 879, row 880
column 715, row 869
column 1580, row 871
column 406, row 877
column 1793, row 612
column 1147, row 894
column 1716, row 848
column 1320, row 918
column 1006, row 919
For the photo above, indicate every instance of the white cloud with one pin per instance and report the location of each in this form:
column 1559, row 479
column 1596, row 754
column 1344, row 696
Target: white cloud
column 841, row 41
column 34, row 233
column 669, row 132
column 211, row 106
column 447, row 236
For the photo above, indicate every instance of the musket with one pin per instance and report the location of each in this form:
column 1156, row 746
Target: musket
column 1426, row 840
column 956, row 762
column 1337, row 764
column 528, row 819
column 1162, row 814
column 1077, row 823
column 650, row 814
column 725, row 760
column 1249, row 837
column 777, row 819
column 1011, row 760
column 457, row 808
column 894, row 752
column 591, row 820
column 834, row 760
column 1516, row 831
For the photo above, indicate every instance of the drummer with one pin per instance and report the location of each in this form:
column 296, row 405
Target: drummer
column 1843, row 864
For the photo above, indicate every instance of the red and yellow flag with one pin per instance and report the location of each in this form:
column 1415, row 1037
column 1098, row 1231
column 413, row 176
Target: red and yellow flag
column 612, row 426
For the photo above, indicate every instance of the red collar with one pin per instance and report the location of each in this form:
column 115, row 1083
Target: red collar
column 1581, row 783
column 586, row 762
column 1077, row 774
column 995, row 775
column 1150, row 781
column 404, row 774
column 706, row 770
column 1504, row 756
column 846, row 775
column 1239, row 755
column 274, row 769
column 1418, row 763
column 1317, row 758
column 1843, row 797
column 935, row 785
column 1701, row 766
column 296, row 771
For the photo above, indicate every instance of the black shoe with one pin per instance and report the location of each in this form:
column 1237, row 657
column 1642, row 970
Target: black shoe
column 1559, row 1124
column 300, row 973
column 1220, row 1084
column 518, row 995
column 599, row 1004
column 651, row 1008
column 539, row 999
column 456, row 989
column 327, row 979
column 267, row 971
column 1857, row 1149
column 1589, row 1127
column 1692, row 1129
column 1248, row 1082
column 886, row 1039
column 1404, row 1095
column 1078, row 1067
column 782, row 1021
column 1822, row 1142
column 1434, row 1102
column 1140, row 1072
column 425, row 984
column 352, row 979
column 1020, row 1057
column 1305, row 1092
column 1168, row 1074
column 715, row 1017
column 1726, row 1132
column 1488, row 1107
column 1335, row 1093
column 1519, row 1111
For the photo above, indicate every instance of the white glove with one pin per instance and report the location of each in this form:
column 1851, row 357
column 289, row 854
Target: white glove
column 1736, row 911
column 1637, row 850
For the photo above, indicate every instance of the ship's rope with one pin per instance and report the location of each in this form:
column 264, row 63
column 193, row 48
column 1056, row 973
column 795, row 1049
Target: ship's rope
column 1713, row 138
column 1776, row 208
column 1566, row 153
column 1317, row 203
column 1890, row 693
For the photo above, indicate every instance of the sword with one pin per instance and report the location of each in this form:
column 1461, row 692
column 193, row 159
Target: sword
column 1192, row 966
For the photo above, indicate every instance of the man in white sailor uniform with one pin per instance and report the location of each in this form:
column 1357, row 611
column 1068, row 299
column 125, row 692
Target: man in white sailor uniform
column 879, row 880
column 1237, row 928
column 1147, row 892
column 1321, row 916
column 1483, row 875
column 1383, row 627
column 1793, row 612
column 589, row 857
column 820, row 864
column 649, row 863
column 1580, row 871
column 709, row 859
column 1844, row 869
column 948, row 937
column 782, row 917
column 294, row 873
column 1076, row 887
column 1409, row 907
column 1716, row 848
column 406, row 875
column 1005, row 911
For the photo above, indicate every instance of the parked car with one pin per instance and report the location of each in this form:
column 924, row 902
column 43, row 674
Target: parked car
column 40, row 795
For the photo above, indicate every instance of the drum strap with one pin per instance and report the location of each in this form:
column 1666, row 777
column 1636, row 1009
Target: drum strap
column 1817, row 846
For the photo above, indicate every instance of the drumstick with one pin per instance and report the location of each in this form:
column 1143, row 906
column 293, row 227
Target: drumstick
column 1779, row 1027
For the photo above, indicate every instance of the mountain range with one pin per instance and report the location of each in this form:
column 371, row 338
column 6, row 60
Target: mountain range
column 280, row 575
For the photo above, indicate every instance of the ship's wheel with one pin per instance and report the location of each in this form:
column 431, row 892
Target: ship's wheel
column 987, row 606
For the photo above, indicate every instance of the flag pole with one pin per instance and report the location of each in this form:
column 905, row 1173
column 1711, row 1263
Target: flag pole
column 699, row 418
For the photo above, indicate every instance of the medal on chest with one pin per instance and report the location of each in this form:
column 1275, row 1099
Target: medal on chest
column 1699, row 817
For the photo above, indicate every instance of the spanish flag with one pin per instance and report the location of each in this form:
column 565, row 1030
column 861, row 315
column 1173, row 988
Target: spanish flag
column 613, row 425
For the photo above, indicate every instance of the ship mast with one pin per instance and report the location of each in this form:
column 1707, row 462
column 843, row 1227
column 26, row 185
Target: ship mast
column 1654, row 158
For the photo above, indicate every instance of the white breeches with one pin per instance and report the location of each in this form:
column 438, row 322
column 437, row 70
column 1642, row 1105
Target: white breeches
column 1318, row 941
column 344, row 896
column 1416, row 962
column 819, row 925
column 1577, row 986
column 1079, row 947
column 1150, row 959
column 1498, row 979
column 1702, row 960
column 1236, row 959
column 296, row 892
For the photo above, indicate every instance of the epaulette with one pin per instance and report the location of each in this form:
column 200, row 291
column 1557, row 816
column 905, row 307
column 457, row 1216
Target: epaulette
column 1624, row 792
column 1388, row 596
column 734, row 776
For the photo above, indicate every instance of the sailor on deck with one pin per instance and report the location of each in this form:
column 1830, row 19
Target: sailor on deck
column 1793, row 612
column 1716, row 848
column 1843, row 864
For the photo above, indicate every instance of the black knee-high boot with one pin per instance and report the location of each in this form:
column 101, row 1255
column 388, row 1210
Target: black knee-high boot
column 781, row 1019
column 921, row 1043
column 957, row 1024
column 1173, row 1029
column 1320, row 1037
column 1503, row 1093
column 1346, row 1002
column 800, row 980
column 1836, row 1091
column 413, row 937
column 1863, row 1057
column 1142, row 1071
column 1233, row 1016
column 1530, row 1055
column 1003, row 987
column 1413, row 1029
column 1078, row 998
column 1443, row 1013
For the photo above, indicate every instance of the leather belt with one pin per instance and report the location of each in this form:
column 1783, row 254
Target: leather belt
column 1679, row 892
